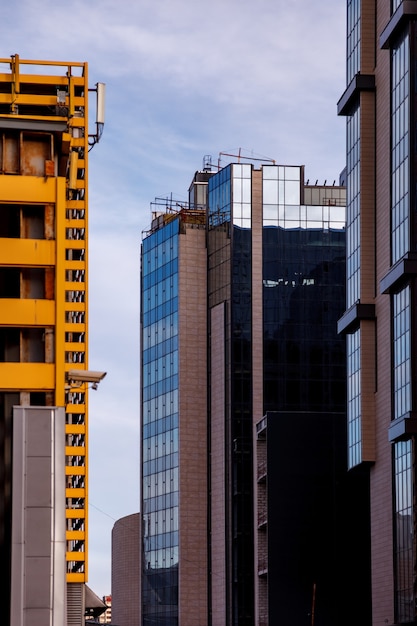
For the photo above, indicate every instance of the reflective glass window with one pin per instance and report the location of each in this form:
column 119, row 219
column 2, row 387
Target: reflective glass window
column 400, row 238
column 401, row 352
column 404, row 532
column 353, row 209
column 354, row 399
column 281, row 191
column 241, row 424
column 229, row 246
column 160, row 424
column 242, row 195
column 220, row 197
column 303, row 278
column 353, row 38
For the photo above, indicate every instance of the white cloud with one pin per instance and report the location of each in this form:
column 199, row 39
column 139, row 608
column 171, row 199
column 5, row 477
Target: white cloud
column 184, row 79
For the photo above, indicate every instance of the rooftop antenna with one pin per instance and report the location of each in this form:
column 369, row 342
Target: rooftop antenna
column 241, row 156
column 100, row 90
column 207, row 163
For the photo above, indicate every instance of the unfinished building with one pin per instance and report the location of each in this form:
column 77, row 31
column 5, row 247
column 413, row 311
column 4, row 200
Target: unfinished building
column 44, row 145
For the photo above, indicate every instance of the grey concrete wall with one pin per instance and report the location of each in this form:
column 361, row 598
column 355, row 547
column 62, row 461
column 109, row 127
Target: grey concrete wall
column 38, row 517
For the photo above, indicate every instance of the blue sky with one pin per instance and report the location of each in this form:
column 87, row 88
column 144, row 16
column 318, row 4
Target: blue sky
column 183, row 80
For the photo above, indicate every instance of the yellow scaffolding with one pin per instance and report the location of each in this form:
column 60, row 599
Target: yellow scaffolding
column 44, row 144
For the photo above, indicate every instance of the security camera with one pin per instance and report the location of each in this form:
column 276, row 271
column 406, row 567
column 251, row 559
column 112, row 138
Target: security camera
column 85, row 376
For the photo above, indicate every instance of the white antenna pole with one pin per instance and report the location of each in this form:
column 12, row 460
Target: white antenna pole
column 101, row 94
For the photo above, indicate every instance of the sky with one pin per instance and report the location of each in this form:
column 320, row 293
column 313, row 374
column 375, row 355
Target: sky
column 184, row 80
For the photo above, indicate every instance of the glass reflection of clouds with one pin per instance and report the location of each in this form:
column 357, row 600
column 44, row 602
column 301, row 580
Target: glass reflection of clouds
column 242, row 195
column 282, row 207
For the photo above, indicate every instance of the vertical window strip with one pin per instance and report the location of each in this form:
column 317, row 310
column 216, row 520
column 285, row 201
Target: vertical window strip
column 353, row 209
column 242, row 195
column 219, row 198
column 353, row 400
column 353, row 38
column 400, row 239
column 281, row 206
column 401, row 353
column 404, row 533
column 160, row 420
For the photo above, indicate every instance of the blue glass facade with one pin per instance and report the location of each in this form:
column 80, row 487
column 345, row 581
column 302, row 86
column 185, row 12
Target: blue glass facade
column 353, row 238
column 220, row 198
column 353, row 212
column 159, row 274
column 354, row 398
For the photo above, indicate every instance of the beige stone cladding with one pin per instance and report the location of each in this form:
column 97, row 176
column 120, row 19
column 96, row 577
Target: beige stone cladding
column 381, row 475
column 192, row 306
column 218, row 511
column 260, row 544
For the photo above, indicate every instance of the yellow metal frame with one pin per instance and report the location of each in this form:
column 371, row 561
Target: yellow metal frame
column 33, row 96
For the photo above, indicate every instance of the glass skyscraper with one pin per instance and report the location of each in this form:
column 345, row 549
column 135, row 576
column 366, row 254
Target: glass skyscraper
column 276, row 287
column 241, row 293
column 173, row 421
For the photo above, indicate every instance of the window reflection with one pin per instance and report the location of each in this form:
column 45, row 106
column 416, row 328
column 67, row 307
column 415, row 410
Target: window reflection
column 292, row 191
column 242, row 195
column 395, row 5
column 401, row 352
column 160, row 425
column 400, row 149
column 292, row 213
column 353, row 38
column 270, row 213
column 303, row 274
column 404, row 532
column 281, row 202
column 220, row 198
column 354, row 399
column 353, row 209
column 270, row 191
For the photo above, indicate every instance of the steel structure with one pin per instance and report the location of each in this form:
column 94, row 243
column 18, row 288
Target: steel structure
column 44, row 144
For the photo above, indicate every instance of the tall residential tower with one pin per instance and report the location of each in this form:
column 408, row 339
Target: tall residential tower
column 379, row 321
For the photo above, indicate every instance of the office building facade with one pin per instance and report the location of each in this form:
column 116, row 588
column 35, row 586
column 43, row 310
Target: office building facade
column 174, row 423
column 276, row 285
column 125, row 571
column 44, row 145
column 380, row 108
column 263, row 271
